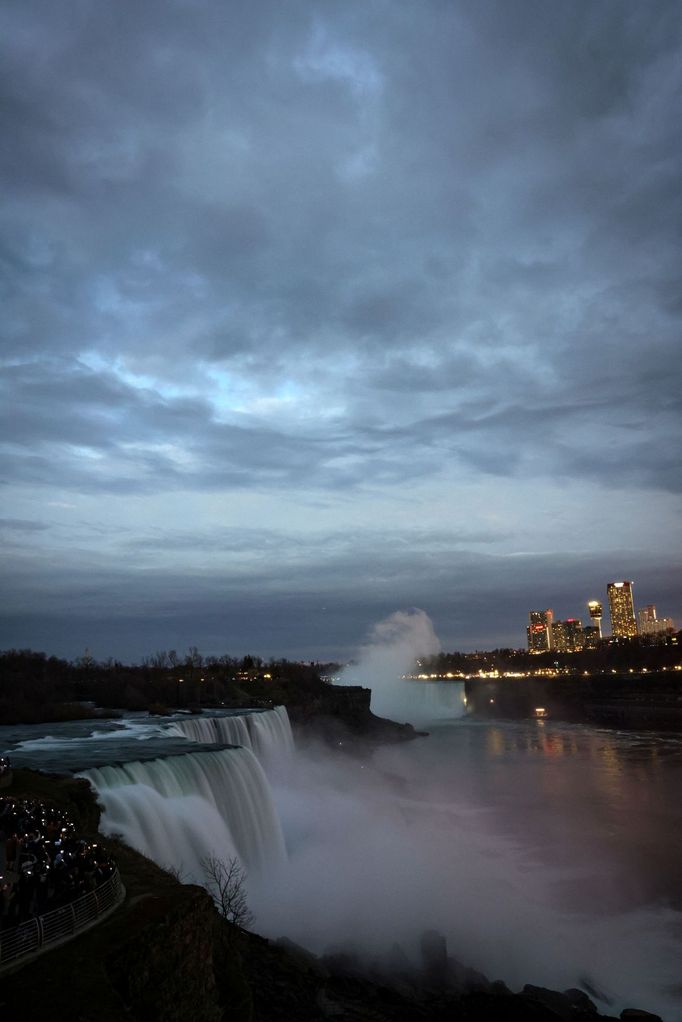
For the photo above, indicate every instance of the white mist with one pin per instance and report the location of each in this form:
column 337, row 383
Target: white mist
column 393, row 647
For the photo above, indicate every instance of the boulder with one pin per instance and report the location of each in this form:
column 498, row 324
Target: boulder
column 434, row 951
column 558, row 1003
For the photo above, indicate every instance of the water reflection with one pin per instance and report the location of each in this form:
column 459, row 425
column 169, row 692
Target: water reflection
column 641, row 753
column 501, row 741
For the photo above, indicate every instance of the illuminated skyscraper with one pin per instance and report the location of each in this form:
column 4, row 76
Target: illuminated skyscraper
column 596, row 613
column 651, row 624
column 622, row 610
column 591, row 637
column 567, row 636
column 539, row 630
column 647, row 619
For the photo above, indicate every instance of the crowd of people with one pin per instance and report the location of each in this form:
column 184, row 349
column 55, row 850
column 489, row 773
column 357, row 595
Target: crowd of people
column 45, row 864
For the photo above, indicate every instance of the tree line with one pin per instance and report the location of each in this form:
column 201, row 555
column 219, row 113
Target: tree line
column 639, row 653
column 35, row 687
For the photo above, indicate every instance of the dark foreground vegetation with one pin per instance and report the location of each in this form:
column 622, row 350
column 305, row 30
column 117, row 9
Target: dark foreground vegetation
column 167, row 955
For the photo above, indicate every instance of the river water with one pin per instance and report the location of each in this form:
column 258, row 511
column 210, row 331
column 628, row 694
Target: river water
column 546, row 853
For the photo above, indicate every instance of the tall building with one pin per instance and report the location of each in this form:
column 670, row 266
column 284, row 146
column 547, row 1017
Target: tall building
column 650, row 624
column 591, row 637
column 622, row 610
column 539, row 630
column 646, row 619
column 596, row 613
column 567, row 636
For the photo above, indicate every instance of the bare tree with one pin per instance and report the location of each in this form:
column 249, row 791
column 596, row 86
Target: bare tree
column 226, row 883
column 194, row 658
column 160, row 659
column 178, row 873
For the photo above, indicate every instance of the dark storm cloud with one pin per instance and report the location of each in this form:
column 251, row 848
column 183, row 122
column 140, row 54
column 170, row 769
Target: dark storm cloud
column 77, row 408
column 340, row 552
column 314, row 250
column 20, row 525
column 75, row 417
column 313, row 607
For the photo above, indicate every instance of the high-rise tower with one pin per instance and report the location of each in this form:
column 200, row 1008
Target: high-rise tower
column 650, row 624
column 539, row 630
column 622, row 610
column 596, row 613
column 567, row 636
column 648, row 620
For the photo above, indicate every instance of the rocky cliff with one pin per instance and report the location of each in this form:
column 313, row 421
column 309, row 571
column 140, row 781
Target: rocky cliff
column 341, row 715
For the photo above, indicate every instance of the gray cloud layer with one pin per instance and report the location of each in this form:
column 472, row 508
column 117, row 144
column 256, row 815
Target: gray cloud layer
column 283, row 267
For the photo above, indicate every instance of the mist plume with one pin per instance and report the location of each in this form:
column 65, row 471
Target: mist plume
column 392, row 651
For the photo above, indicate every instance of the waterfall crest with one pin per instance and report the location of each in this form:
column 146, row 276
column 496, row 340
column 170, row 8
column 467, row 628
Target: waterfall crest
column 214, row 730
column 266, row 732
column 179, row 809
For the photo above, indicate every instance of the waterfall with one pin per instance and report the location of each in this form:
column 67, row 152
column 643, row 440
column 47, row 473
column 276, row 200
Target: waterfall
column 214, row 730
column 271, row 735
column 266, row 732
column 179, row 809
column 420, row 702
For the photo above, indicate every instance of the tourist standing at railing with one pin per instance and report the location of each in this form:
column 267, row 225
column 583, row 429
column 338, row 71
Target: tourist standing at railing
column 43, row 891
column 11, row 849
column 10, row 906
column 25, row 891
column 47, row 865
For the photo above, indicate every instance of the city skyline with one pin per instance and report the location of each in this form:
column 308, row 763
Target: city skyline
column 313, row 313
column 546, row 631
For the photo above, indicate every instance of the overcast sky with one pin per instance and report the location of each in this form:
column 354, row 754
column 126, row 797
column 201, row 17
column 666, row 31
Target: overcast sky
column 314, row 311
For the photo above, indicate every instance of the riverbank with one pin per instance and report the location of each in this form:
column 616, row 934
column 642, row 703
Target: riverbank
column 651, row 700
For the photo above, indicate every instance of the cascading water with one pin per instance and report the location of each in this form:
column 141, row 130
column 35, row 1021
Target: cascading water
column 271, row 735
column 214, row 730
column 420, row 702
column 267, row 733
column 180, row 809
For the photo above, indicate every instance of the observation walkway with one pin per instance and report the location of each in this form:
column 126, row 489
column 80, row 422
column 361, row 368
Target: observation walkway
column 41, row 933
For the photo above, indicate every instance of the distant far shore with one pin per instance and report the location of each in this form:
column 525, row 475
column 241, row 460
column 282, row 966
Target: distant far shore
column 651, row 700
column 37, row 689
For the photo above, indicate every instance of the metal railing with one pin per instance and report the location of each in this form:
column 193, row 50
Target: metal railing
column 61, row 923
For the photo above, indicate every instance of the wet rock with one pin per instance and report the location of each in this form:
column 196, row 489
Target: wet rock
column 580, row 1002
column 434, row 951
column 475, row 981
column 558, row 1003
column 343, row 961
column 593, row 991
column 398, row 963
column 486, row 1007
column 305, row 959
